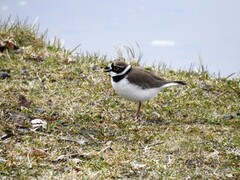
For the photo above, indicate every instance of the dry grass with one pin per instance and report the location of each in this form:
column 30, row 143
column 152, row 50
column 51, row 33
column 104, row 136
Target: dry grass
column 184, row 133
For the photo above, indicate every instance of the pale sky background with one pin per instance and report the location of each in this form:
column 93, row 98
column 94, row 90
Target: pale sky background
column 173, row 32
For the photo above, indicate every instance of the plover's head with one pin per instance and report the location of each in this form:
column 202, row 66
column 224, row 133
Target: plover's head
column 117, row 68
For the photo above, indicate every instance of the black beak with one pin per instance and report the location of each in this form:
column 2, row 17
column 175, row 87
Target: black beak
column 107, row 69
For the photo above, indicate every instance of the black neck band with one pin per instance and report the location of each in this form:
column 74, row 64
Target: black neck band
column 119, row 78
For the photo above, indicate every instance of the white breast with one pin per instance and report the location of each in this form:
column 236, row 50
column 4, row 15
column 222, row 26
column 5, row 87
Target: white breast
column 133, row 92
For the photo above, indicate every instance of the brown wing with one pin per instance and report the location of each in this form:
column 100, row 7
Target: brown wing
column 145, row 78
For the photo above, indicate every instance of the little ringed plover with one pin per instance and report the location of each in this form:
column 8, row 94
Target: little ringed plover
column 136, row 84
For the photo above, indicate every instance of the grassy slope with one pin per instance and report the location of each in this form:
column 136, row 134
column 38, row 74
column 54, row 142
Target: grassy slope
column 183, row 133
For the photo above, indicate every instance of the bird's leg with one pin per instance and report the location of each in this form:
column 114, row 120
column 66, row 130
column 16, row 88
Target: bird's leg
column 138, row 110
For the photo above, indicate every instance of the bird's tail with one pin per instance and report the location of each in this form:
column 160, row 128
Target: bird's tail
column 174, row 83
column 179, row 82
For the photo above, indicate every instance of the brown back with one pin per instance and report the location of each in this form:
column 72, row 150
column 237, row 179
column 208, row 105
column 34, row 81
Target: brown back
column 145, row 79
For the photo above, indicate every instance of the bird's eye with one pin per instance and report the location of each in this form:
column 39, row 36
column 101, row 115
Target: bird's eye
column 116, row 68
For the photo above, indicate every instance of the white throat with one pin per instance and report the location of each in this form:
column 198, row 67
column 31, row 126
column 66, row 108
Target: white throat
column 113, row 74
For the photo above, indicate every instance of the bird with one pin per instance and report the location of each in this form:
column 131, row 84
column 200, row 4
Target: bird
column 136, row 84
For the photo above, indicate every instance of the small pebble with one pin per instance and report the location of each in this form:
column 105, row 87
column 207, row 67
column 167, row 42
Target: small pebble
column 4, row 75
column 227, row 117
column 93, row 67
column 23, row 130
column 5, row 136
column 38, row 124
column 24, row 71
column 2, row 160
column 39, row 110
